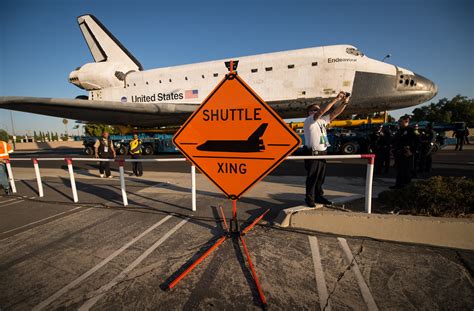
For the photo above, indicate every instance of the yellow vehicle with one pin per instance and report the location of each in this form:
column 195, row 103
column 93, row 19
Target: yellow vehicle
column 382, row 118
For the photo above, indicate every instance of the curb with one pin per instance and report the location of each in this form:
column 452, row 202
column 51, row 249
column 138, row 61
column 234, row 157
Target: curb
column 445, row 232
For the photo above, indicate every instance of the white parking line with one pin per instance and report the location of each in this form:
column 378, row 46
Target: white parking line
column 12, row 203
column 66, row 288
column 98, row 294
column 35, row 222
column 49, row 223
column 6, row 201
column 319, row 273
column 364, row 289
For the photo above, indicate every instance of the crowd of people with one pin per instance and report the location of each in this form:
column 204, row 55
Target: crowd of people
column 412, row 149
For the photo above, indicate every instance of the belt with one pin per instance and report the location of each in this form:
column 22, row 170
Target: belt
column 308, row 150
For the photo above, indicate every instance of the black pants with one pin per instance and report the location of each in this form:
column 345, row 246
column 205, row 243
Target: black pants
column 459, row 143
column 137, row 166
column 382, row 160
column 426, row 159
column 405, row 167
column 315, row 175
column 416, row 163
column 104, row 167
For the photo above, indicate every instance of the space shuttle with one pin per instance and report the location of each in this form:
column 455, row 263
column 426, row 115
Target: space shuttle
column 122, row 92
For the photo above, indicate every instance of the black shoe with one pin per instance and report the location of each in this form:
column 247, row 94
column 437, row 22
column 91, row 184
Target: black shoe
column 310, row 202
column 323, row 200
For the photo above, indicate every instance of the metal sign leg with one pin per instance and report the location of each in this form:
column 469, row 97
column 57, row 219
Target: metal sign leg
column 231, row 232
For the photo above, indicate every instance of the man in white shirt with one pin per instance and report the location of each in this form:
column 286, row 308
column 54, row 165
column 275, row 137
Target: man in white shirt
column 316, row 143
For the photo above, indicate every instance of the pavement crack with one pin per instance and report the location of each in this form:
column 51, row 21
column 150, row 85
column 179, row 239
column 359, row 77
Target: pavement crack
column 465, row 266
column 341, row 275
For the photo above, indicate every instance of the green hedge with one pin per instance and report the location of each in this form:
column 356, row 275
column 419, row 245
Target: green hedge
column 436, row 196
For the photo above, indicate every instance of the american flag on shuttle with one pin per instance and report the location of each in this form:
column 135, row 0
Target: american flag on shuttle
column 191, row 94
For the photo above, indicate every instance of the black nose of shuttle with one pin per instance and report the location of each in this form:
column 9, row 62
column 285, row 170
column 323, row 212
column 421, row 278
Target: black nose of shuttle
column 427, row 87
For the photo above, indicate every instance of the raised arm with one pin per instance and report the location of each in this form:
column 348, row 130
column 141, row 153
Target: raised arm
column 339, row 109
column 323, row 111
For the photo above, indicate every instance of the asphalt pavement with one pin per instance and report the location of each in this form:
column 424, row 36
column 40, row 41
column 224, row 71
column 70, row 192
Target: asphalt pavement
column 96, row 254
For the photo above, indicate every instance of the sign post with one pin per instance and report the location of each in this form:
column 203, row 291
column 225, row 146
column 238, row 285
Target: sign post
column 235, row 139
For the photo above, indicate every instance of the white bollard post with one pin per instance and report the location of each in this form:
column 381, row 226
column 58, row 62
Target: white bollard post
column 73, row 180
column 368, row 183
column 10, row 176
column 122, row 181
column 38, row 177
column 193, row 187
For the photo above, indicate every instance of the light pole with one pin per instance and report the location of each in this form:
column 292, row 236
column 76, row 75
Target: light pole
column 386, row 56
column 13, row 130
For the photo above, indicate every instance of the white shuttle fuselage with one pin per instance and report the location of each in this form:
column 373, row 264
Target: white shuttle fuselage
column 121, row 92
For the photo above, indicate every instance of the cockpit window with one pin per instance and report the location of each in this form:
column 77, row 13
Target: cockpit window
column 354, row 51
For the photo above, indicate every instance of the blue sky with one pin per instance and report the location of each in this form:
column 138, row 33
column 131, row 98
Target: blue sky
column 40, row 42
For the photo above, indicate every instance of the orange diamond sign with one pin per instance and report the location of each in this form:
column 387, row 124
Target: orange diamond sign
column 235, row 138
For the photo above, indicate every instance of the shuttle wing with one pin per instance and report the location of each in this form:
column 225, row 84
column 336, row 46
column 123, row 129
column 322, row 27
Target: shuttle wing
column 107, row 112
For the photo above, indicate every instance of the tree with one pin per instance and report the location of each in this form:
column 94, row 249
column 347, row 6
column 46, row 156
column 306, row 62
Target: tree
column 458, row 109
column 65, row 122
column 98, row 129
column 4, row 135
column 35, row 136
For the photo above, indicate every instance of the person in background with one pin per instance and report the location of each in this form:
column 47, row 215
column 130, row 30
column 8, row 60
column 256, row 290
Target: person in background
column 104, row 149
column 382, row 150
column 460, row 135
column 404, row 144
column 5, row 150
column 316, row 143
column 466, row 135
column 136, row 153
column 416, row 153
column 427, row 141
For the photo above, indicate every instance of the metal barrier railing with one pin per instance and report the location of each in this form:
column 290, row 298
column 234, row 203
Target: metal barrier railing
column 369, row 176
column 121, row 163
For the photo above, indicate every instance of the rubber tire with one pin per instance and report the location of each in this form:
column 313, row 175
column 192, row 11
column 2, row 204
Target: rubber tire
column 349, row 148
column 89, row 151
column 148, row 150
column 122, row 150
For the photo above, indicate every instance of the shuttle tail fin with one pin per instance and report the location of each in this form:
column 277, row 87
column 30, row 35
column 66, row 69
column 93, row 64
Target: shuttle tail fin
column 103, row 45
column 258, row 132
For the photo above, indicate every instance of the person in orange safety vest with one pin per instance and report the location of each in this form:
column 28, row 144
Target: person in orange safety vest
column 5, row 150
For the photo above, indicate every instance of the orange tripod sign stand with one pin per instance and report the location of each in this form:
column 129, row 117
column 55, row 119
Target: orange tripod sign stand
column 235, row 139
